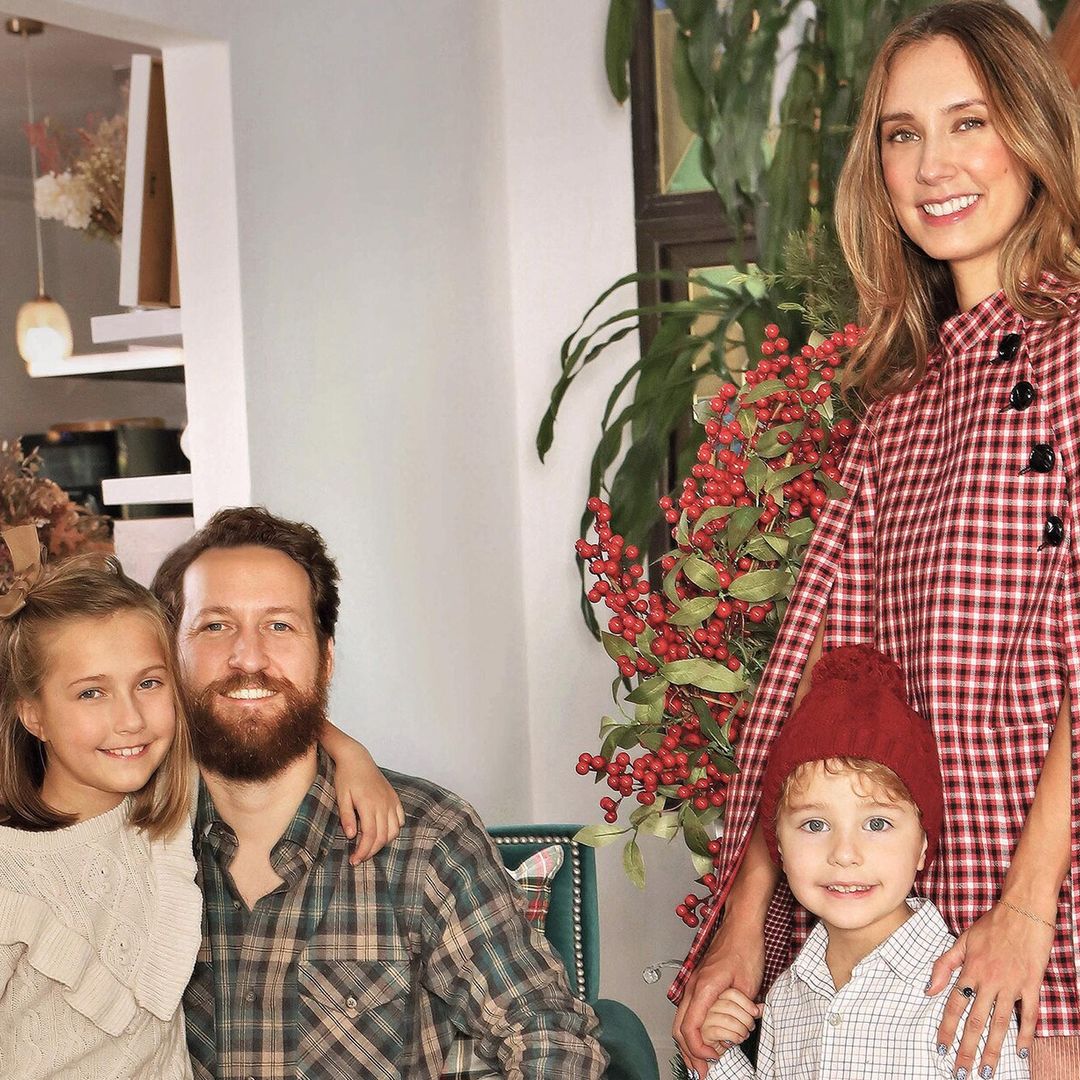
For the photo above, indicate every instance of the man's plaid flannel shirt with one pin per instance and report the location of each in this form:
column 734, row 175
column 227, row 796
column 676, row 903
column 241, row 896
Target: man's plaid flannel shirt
column 371, row 970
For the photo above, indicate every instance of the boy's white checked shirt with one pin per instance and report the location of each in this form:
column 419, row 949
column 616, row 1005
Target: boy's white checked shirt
column 880, row 1026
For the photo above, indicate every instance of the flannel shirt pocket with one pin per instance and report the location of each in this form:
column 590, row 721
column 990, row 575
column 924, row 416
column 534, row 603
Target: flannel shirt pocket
column 353, row 1011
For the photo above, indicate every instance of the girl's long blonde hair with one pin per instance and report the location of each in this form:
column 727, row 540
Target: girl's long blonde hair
column 903, row 294
column 83, row 587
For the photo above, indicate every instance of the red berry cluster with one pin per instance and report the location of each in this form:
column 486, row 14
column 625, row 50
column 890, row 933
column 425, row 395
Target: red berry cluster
column 698, row 642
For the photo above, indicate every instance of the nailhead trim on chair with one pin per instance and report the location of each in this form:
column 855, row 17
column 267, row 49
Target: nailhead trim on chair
column 575, row 866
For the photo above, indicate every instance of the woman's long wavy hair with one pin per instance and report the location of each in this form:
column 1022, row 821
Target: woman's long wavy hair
column 88, row 588
column 903, row 294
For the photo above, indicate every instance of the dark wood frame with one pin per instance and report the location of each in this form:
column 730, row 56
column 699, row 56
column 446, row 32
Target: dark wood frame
column 678, row 231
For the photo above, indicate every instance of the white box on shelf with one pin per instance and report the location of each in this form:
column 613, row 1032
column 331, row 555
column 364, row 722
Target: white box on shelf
column 138, row 359
column 141, row 545
column 142, row 324
column 125, row 490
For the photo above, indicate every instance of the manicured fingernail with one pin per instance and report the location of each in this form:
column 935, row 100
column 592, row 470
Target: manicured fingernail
column 986, row 1072
column 961, row 1074
column 1022, row 1053
column 942, row 1049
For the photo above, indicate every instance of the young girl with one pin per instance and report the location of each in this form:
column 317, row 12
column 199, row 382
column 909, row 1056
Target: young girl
column 959, row 214
column 100, row 917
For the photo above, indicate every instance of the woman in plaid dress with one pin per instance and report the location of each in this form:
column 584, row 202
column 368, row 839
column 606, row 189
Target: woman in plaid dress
column 959, row 213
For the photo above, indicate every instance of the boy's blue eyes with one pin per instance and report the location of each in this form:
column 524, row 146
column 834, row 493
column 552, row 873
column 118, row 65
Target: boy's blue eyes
column 874, row 824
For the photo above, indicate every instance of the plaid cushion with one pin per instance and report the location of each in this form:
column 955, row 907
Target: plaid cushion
column 533, row 877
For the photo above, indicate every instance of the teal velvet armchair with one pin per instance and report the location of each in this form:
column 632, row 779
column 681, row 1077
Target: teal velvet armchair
column 573, row 928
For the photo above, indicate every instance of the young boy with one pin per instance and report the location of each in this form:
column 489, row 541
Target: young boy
column 851, row 807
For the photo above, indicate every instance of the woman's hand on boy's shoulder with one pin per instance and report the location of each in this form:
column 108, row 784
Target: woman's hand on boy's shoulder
column 1002, row 958
column 730, row 1020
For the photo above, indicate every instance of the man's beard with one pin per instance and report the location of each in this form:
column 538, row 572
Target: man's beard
column 250, row 746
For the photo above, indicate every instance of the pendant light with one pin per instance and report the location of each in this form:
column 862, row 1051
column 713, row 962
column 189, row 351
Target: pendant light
column 42, row 328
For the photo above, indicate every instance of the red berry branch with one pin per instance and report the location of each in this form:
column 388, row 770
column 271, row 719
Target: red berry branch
column 690, row 652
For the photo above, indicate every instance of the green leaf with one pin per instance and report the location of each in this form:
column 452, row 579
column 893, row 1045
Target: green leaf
column 748, row 421
column 709, row 727
column 634, row 863
column 777, row 542
column 643, row 812
column 755, row 476
column 619, row 44
column 713, row 514
column 763, row 389
column 761, row 585
column 800, row 530
column 649, row 713
column 782, row 476
column 742, row 521
column 671, row 577
column 707, row 674
column 665, row 825
column 611, row 740
column 616, row 646
column 682, row 536
column 649, row 691
column 759, row 549
column 702, row 864
column 769, row 445
column 697, row 839
column 701, row 573
column 651, row 740
column 693, row 612
column 598, row 836
column 832, row 488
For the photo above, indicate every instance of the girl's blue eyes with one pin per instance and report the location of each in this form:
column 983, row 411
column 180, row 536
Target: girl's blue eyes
column 92, row 693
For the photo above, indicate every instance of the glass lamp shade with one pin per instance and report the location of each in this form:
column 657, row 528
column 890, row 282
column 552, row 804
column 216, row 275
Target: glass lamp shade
column 43, row 331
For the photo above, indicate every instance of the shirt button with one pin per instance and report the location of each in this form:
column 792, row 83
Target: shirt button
column 1053, row 531
column 1008, row 348
column 236, row 905
column 835, row 1019
column 249, row 997
column 1021, row 396
column 350, row 1003
column 1042, row 459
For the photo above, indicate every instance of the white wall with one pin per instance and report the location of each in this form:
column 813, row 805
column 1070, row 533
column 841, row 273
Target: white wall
column 82, row 274
column 379, row 378
column 571, row 215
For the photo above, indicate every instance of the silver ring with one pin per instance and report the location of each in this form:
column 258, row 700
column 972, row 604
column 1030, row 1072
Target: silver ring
column 967, row 991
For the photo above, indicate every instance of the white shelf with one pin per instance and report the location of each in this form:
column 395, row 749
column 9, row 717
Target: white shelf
column 142, row 324
column 126, row 490
column 144, row 359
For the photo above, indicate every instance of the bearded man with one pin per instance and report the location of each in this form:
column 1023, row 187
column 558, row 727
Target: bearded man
column 310, row 966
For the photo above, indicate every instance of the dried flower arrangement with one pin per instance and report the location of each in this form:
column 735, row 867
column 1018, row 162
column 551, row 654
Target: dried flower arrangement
column 82, row 180
column 27, row 498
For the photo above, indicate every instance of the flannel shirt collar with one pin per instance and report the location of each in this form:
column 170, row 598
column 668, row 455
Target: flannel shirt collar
column 908, row 952
column 307, row 839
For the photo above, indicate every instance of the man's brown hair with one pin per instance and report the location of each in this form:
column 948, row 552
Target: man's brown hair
column 255, row 526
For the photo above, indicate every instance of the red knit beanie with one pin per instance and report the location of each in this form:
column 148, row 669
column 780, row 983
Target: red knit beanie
column 857, row 707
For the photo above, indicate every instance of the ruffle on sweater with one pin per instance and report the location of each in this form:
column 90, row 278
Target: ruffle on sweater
column 168, row 953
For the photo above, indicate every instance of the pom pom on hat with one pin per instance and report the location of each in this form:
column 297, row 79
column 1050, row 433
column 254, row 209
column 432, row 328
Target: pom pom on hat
column 856, row 707
column 862, row 664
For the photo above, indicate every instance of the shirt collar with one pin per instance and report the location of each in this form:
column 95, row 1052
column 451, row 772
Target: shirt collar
column 908, row 952
column 307, row 838
column 988, row 318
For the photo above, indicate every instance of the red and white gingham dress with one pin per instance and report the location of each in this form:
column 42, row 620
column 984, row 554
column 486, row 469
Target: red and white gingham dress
column 938, row 558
